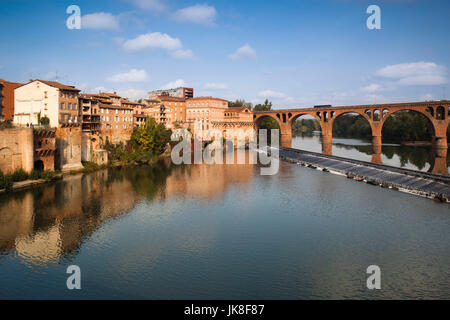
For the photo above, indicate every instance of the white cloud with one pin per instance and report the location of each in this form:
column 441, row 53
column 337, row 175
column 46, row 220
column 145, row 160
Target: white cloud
column 415, row 73
column 132, row 94
column 182, row 54
column 154, row 5
column 134, row 75
column 157, row 40
column 154, row 40
column 216, row 86
column 100, row 20
column 423, row 80
column 199, row 14
column 271, row 94
column 174, row 84
column 243, row 52
column 374, row 87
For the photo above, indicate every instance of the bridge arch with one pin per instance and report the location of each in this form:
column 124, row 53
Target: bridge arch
column 363, row 114
column 428, row 114
column 259, row 118
column 425, row 115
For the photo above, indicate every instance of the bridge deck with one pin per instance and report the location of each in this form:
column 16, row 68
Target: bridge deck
column 369, row 106
column 417, row 182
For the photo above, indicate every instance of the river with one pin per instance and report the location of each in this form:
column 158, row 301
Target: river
column 221, row 232
column 410, row 157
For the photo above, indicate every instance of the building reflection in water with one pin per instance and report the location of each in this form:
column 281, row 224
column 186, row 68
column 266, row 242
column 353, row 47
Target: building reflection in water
column 45, row 224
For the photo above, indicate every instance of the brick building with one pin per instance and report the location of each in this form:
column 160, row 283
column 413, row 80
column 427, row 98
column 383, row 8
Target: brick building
column 89, row 108
column 180, row 92
column 116, row 117
column 7, row 99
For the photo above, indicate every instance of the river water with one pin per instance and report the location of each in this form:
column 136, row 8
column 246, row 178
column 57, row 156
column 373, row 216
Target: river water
column 221, row 232
column 410, row 157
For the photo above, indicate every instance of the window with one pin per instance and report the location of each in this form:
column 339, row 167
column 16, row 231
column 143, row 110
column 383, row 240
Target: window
column 62, row 106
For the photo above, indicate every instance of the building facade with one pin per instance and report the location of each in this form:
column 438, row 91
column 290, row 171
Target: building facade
column 7, row 99
column 40, row 98
column 180, row 92
column 89, row 108
column 116, row 118
column 205, row 114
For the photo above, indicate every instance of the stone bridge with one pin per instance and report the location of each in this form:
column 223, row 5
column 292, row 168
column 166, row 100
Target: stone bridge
column 437, row 112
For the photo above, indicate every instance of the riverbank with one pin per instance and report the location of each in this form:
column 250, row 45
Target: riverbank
column 88, row 167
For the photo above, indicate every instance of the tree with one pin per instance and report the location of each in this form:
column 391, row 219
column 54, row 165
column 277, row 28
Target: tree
column 264, row 107
column 150, row 139
column 239, row 104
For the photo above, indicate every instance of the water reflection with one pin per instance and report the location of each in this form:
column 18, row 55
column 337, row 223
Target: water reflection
column 44, row 224
column 412, row 157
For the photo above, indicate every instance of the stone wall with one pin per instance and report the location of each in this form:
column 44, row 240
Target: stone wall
column 90, row 149
column 16, row 149
column 68, row 148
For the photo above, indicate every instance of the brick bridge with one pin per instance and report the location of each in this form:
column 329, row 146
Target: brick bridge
column 437, row 112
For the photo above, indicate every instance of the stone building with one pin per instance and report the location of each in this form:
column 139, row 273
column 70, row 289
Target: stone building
column 16, row 149
column 68, row 147
column 51, row 99
column 44, row 149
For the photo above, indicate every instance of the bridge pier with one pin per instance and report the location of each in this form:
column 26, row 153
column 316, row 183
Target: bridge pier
column 440, row 143
column 327, row 144
column 286, row 135
column 439, row 162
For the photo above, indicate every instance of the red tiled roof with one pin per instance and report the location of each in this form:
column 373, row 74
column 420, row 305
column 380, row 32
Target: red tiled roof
column 206, row 98
column 57, row 85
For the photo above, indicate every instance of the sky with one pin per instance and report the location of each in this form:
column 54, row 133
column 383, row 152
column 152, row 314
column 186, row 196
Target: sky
column 295, row 53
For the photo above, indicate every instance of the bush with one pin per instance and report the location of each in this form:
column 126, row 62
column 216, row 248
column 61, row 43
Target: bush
column 19, row 175
column 6, row 181
column 45, row 175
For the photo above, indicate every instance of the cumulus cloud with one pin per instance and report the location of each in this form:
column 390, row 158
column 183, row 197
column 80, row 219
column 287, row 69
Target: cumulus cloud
column 271, row 94
column 153, row 40
column 199, row 14
column 134, row 75
column 154, row 5
column 243, row 52
column 174, row 84
column 216, row 86
column 415, row 73
column 374, row 87
column 100, row 20
column 156, row 40
column 182, row 54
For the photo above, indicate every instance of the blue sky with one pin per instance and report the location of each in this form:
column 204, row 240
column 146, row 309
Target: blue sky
column 296, row 53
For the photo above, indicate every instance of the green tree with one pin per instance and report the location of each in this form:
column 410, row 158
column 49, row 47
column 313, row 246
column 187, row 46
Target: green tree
column 266, row 106
column 151, row 138
column 239, row 104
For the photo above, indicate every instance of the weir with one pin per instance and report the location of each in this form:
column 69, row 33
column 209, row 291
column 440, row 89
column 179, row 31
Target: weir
column 425, row 184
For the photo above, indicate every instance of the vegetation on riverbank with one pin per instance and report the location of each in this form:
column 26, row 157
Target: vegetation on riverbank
column 7, row 180
column 146, row 144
